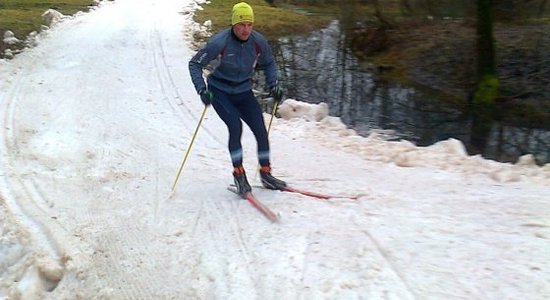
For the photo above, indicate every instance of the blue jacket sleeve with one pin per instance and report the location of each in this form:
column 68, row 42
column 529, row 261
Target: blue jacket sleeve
column 268, row 63
column 201, row 60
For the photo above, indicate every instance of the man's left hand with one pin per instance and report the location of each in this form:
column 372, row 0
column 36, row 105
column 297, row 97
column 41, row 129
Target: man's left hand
column 277, row 93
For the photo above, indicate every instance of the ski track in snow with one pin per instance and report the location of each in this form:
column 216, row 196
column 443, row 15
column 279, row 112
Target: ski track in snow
column 96, row 120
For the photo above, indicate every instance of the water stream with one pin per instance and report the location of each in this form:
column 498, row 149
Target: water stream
column 321, row 68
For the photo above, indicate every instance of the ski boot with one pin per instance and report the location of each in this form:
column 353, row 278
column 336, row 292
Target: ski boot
column 241, row 183
column 270, row 182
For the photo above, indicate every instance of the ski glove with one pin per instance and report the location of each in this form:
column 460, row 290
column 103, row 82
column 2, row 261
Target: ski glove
column 206, row 96
column 277, row 93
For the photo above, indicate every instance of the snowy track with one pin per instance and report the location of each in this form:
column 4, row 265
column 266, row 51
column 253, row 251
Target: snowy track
column 95, row 122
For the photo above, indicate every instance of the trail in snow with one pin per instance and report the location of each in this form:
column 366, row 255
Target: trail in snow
column 96, row 119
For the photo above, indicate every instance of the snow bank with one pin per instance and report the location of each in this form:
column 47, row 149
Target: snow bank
column 295, row 109
column 9, row 38
column 196, row 31
column 448, row 155
column 51, row 16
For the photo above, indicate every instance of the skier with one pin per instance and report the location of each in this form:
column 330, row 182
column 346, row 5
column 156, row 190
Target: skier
column 233, row 54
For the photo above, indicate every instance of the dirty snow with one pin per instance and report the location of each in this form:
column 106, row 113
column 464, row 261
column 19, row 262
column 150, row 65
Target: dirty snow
column 97, row 118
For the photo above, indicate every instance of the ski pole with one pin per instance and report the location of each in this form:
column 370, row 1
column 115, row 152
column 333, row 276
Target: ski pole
column 189, row 148
column 273, row 110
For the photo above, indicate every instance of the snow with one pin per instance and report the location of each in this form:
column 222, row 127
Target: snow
column 97, row 118
column 9, row 38
column 51, row 16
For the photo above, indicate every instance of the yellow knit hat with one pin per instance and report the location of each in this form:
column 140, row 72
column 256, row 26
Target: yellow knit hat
column 242, row 12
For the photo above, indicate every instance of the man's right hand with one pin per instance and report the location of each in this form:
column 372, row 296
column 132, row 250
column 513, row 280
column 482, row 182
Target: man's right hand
column 206, row 96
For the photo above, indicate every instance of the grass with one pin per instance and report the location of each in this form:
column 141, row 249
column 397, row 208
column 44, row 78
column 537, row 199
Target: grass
column 273, row 22
column 25, row 16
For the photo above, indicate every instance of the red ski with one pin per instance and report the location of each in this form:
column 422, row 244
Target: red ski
column 257, row 204
column 317, row 195
column 309, row 194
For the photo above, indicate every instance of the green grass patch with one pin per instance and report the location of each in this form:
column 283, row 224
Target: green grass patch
column 273, row 22
column 25, row 16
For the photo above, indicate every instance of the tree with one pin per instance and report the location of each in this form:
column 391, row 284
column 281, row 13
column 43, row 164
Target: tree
column 406, row 6
column 487, row 82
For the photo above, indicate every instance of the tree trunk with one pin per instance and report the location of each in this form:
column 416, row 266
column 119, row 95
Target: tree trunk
column 406, row 7
column 386, row 23
column 542, row 8
column 487, row 81
column 520, row 9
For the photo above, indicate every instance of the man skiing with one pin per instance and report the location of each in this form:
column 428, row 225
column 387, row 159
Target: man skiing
column 233, row 54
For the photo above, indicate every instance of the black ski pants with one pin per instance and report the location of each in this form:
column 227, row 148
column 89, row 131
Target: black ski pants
column 232, row 108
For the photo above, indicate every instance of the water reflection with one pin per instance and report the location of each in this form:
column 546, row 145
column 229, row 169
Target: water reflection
column 321, row 68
